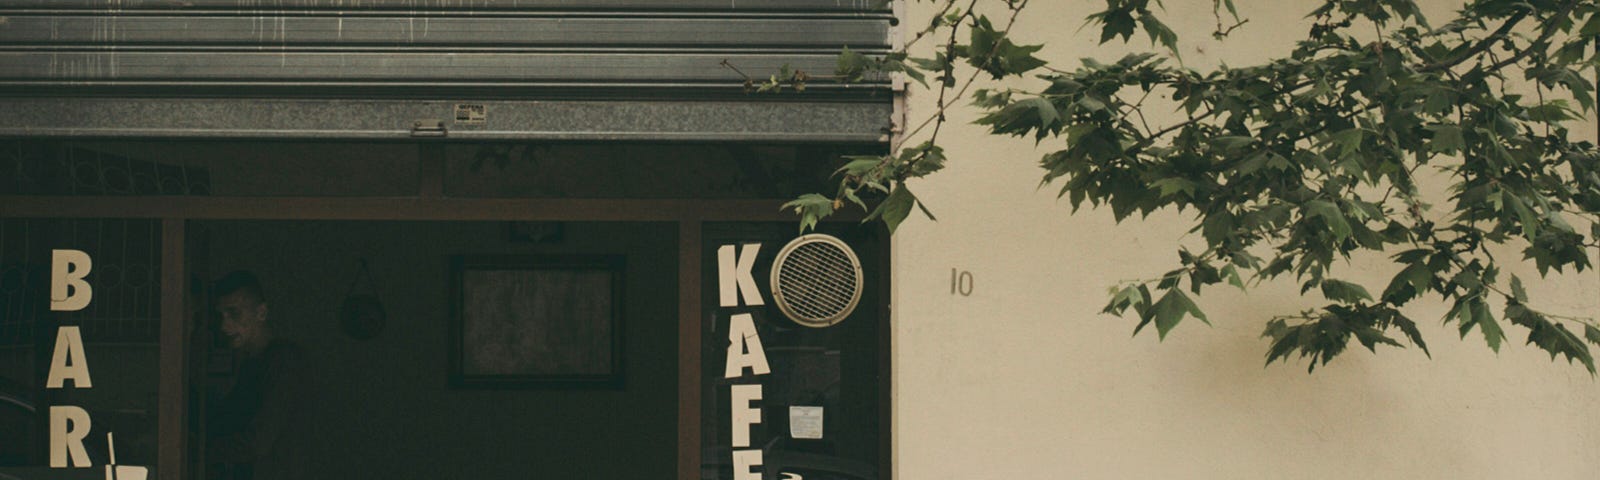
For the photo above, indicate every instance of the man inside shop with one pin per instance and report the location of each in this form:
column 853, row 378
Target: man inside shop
column 257, row 431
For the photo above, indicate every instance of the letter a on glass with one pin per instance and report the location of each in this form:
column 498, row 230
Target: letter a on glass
column 744, row 348
column 68, row 360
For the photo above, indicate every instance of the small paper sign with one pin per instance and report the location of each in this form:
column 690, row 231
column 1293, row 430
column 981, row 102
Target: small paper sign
column 471, row 113
column 805, row 422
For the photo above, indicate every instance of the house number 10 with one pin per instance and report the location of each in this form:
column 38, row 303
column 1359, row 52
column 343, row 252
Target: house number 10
column 960, row 282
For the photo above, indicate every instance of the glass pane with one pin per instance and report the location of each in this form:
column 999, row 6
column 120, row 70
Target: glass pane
column 378, row 400
column 833, row 372
column 118, row 329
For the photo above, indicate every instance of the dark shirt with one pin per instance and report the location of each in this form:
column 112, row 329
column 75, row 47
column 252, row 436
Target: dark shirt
column 259, row 426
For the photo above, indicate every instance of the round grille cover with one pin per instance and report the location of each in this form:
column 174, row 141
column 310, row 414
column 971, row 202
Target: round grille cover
column 816, row 280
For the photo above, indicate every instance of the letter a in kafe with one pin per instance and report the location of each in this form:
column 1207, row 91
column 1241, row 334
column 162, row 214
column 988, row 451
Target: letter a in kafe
column 733, row 275
column 744, row 348
column 68, row 291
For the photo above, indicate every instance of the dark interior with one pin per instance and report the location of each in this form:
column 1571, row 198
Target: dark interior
column 387, row 409
column 389, row 404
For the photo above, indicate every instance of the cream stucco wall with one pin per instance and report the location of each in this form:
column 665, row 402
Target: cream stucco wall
column 1024, row 379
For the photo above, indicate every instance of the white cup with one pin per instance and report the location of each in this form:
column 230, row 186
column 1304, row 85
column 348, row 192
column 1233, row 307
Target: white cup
column 124, row 472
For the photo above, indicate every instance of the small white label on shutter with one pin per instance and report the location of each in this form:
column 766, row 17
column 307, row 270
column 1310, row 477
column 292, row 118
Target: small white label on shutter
column 471, row 113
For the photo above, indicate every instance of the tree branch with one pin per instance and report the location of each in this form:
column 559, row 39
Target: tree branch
column 1549, row 31
column 1481, row 46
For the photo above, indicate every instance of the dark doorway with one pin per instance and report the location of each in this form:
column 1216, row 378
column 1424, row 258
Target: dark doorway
column 384, row 406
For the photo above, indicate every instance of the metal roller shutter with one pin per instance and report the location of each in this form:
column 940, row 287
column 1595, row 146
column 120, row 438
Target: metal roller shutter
column 465, row 69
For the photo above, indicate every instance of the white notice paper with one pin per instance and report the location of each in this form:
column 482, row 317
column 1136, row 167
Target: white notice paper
column 805, row 422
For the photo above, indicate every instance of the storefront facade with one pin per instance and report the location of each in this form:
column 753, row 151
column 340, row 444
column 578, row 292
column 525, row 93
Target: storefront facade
column 433, row 159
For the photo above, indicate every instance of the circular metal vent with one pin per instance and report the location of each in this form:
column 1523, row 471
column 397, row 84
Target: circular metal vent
column 816, row 280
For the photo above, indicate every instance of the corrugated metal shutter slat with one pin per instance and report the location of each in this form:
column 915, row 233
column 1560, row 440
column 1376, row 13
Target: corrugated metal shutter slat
column 404, row 54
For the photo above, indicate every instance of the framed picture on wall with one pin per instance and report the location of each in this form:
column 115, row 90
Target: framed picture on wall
column 536, row 321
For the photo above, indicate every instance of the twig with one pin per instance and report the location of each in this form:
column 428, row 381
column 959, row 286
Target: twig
column 937, row 119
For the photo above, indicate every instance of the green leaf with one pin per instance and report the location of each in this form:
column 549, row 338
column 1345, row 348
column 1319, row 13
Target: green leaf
column 853, row 198
column 922, row 160
column 1330, row 215
column 1115, row 22
column 812, row 208
column 1231, row 10
column 1473, row 312
column 1345, row 292
column 1158, row 32
column 1232, row 142
column 1371, row 337
column 1091, row 104
column 1217, row 227
column 1348, row 142
column 1492, row 334
column 860, row 165
column 993, row 52
column 1173, row 185
column 1553, row 338
column 894, row 209
column 1551, row 112
column 1590, row 28
column 1046, row 110
column 1125, row 297
column 1409, row 328
column 1232, row 275
column 1446, row 139
column 1171, row 309
column 1409, row 283
column 1525, row 215
column 852, row 66
column 1440, row 101
column 923, row 207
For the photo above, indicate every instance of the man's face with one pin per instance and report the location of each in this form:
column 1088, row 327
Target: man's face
column 244, row 320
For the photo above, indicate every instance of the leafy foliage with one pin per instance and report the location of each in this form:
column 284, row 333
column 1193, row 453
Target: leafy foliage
column 1295, row 165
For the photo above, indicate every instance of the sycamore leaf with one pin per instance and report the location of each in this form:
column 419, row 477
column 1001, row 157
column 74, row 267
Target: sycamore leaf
column 811, row 207
column 1473, row 312
column 1173, row 185
column 894, row 209
column 861, row 164
column 1492, row 334
column 1409, row 328
column 1047, row 112
column 1330, row 214
column 852, row 66
column 1159, row 33
column 1446, row 139
column 1172, row 308
column 993, row 52
column 1371, row 337
column 1345, row 292
column 1124, row 298
column 1551, row 337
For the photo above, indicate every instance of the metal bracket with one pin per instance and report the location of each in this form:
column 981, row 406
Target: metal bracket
column 428, row 128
